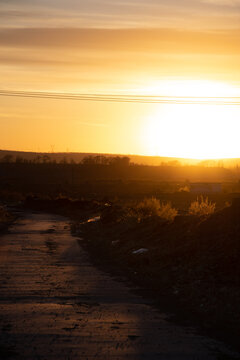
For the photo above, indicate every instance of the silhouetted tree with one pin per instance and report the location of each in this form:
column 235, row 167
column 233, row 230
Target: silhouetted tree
column 7, row 159
column 19, row 160
column 120, row 161
column 106, row 160
column 64, row 160
column 45, row 159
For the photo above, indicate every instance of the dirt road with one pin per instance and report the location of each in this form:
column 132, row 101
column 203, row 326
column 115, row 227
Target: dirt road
column 55, row 305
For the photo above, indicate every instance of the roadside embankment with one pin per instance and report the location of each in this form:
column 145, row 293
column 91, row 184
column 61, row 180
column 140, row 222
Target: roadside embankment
column 190, row 266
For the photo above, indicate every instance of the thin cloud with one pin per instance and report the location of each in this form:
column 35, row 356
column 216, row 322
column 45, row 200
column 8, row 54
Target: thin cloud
column 230, row 3
column 120, row 14
column 163, row 41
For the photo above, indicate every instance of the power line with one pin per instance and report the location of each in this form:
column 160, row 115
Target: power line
column 144, row 99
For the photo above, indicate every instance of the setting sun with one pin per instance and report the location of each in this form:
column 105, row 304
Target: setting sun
column 201, row 130
column 191, row 88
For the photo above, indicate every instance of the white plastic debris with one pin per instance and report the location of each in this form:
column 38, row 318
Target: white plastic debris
column 140, row 251
column 115, row 242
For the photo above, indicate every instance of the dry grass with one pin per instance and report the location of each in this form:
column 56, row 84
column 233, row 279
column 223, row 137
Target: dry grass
column 153, row 207
column 202, row 207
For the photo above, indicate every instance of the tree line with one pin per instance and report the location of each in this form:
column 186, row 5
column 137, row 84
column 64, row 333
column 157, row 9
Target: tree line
column 88, row 160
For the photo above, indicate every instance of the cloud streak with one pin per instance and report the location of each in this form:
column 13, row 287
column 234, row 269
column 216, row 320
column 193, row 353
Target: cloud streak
column 54, row 43
column 120, row 14
column 165, row 41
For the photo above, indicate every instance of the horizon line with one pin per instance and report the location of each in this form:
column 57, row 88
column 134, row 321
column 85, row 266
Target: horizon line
column 119, row 154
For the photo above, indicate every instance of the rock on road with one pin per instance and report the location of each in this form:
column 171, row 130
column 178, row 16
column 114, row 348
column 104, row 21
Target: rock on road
column 54, row 304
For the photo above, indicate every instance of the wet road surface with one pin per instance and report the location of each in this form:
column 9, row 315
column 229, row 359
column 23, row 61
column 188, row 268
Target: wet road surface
column 55, row 305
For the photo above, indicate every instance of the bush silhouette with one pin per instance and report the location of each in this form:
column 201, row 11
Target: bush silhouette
column 153, row 207
column 202, row 207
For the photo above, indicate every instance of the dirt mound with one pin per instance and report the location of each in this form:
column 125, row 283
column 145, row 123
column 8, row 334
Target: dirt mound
column 218, row 243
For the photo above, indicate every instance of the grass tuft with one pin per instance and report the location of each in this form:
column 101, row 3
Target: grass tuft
column 153, row 207
column 202, row 207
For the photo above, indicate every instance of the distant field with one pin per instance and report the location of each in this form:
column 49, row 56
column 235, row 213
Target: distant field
column 137, row 159
column 110, row 182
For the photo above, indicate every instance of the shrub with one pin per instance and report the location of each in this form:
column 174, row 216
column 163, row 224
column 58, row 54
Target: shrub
column 167, row 212
column 148, row 207
column 227, row 204
column 184, row 189
column 152, row 207
column 202, row 207
column 115, row 214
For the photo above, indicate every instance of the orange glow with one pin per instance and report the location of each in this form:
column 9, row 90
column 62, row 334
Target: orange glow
column 124, row 49
column 193, row 130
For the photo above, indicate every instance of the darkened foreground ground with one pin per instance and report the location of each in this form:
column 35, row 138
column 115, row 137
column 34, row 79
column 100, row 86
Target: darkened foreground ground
column 190, row 266
column 56, row 305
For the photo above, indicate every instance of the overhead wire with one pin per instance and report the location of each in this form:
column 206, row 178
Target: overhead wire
column 125, row 98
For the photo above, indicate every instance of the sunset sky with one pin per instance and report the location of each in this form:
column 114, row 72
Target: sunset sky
column 168, row 47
